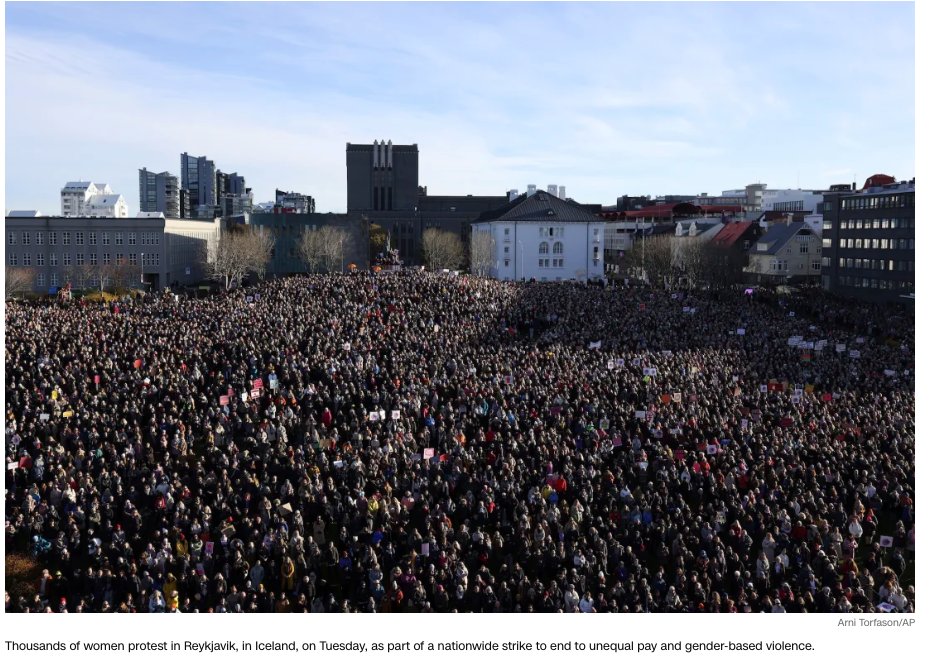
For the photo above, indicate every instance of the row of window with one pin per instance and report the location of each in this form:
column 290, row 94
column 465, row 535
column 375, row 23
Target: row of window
column 557, row 232
column 873, row 243
column 146, row 237
column 875, row 283
column 557, row 248
column 877, row 264
column 556, row 263
column 878, row 202
column 80, row 281
column 873, row 223
column 79, row 259
column 788, row 206
column 781, row 265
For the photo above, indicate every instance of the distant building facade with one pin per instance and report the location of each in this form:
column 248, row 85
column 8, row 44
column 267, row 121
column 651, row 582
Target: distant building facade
column 198, row 178
column 786, row 252
column 869, row 240
column 81, row 199
column 288, row 228
column 159, row 193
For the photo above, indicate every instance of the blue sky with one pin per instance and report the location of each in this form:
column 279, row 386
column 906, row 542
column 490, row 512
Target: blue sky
column 603, row 98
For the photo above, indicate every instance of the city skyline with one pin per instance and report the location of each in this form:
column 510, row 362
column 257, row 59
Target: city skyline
column 605, row 99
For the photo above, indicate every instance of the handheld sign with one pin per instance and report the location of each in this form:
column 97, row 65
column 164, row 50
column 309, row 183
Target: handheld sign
column 640, row 414
column 373, row 416
column 43, row 417
column 395, row 414
column 224, row 400
column 741, row 331
column 429, row 452
column 256, row 393
column 257, row 384
column 886, row 541
column 245, row 397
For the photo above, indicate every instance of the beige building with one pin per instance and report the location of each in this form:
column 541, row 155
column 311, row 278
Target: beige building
column 786, row 251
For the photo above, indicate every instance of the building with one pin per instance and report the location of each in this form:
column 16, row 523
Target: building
column 791, row 201
column 198, row 178
column 382, row 177
column 288, row 228
column 539, row 236
column 383, row 188
column 159, row 193
column 149, row 251
column 786, row 252
column 86, row 199
column 868, row 240
column 292, row 202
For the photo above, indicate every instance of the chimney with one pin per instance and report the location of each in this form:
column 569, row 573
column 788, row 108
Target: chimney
column 512, row 194
column 562, row 192
column 530, row 189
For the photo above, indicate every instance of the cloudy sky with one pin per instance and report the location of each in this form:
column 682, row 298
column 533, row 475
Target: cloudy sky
column 604, row 98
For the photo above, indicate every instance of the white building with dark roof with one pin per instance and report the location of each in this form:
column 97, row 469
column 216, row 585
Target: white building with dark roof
column 539, row 236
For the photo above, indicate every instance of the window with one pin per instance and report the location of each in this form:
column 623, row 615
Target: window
column 542, row 232
column 119, row 238
column 79, row 238
column 827, row 224
column 27, row 259
column 558, row 263
column 40, row 237
column 543, row 248
column 506, row 263
column 80, row 259
column 842, row 242
column 120, row 258
column 13, row 259
column 53, row 279
column 11, row 238
column 40, row 259
column 53, row 259
column 53, row 238
column 843, row 224
column 133, row 259
column 106, row 258
column 25, row 238
column 105, row 238
column 66, row 238
column 40, row 280
column 93, row 258
column 506, row 249
column 506, row 231
column 826, row 261
column 547, row 263
column 540, row 263
column 132, row 238
column 66, row 259
column 558, row 248
column 92, row 238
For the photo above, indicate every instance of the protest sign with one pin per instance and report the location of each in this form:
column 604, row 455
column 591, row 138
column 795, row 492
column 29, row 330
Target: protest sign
column 250, row 299
column 224, row 400
column 854, row 355
column 595, row 345
column 257, row 384
column 860, row 340
column 245, row 397
column 886, row 541
column 68, row 413
column 711, row 450
column 373, row 416
column 256, row 393
column 640, row 414
column 676, row 397
column 395, row 414
column 636, row 362
column 840, row 348
column 137, row 363
column 12, row 465
column 616, row 442
column 741, row 331
column 763, row 388
column 429, row 452
column 43, row 417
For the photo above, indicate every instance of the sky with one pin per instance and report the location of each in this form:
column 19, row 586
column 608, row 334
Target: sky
column 606, row 99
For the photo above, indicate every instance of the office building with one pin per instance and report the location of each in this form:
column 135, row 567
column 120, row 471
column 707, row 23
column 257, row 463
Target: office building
column 159, row 193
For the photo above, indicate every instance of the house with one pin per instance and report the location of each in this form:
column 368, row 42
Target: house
column 539, row 236
column 790, row 251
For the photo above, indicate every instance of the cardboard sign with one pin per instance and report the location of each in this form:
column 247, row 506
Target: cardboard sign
column 96, row 379
column 744, row 424
column 791, row 314
column 890, row 372
column 224, row 400
column 373, row 416
column 795, row 398
column 257, row 384
column 12, row 465
column 795, row 340
column 338, row 464
column 250, row 299
column 595, row 345
column 43, row 417
column 616, row 442
column 611, row 364
column 636, row 362
column 256, row 393
column 886, row 541
column 429, row 453
column 508, row 379
column 395, row 414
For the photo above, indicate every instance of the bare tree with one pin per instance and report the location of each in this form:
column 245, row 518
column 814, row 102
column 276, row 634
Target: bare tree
column 442, row 249
column 237, row 252
column 653, row 258
column 311, row 249
column 260, row 246
column 18, row 280
column 482, row 252
column 324, row 247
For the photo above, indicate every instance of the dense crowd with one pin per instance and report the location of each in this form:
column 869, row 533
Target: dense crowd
column 416, row 442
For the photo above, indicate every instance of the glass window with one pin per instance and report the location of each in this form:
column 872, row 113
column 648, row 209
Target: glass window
column 53, row 259
column 40, row 280
column 66, row 259
column 133, row 259
column 92, row 238
column 40, row 259
column 106, row 258
column 13, row 259
column 132, row 238
column 66, row 238
column 558, row 248
column 53, row 279
column 93, row 258
column 80, row 259
column 105, row 238
column 79, row 238
column 40, row 237
column 119, row 238
column 11, row 238
column 544, row 248
column 27, row 259
column 25, row 238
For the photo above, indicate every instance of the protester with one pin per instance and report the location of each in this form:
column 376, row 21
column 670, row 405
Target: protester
column 417, row 442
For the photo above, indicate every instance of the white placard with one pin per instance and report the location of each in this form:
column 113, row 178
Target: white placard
column 741, row 331
column 855, row 354
column 840, row 348
column 395, row 414
column 640, row 414
column 373, row 416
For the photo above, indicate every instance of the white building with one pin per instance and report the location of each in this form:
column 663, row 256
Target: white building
column 791, row 201
column 85, row 199
column 538, row 235
column 786, row 251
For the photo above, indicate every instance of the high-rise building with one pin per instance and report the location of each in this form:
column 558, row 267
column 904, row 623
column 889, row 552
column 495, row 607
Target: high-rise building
column 293, row 202
column 198, row 177
column 159, row 193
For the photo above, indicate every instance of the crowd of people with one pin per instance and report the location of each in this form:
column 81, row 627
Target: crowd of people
column 420, row 442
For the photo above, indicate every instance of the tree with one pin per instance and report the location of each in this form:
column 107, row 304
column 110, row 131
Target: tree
column 324, row 247
column 442, row 249
column 238, row 252
column 377, row 241
column 482, row 253
column 653, row 258
column 18, row 280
